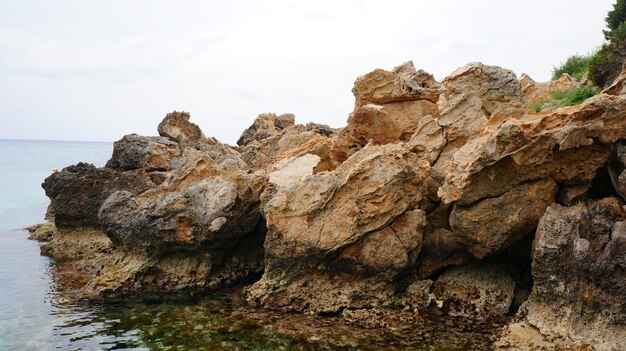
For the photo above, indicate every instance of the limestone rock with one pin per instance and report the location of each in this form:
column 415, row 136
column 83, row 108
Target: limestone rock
column 478, row 290
column 266, row 125
column 535, row 92
column 404, row 83
column 495, row 86
column 150, row 153
column 200, row 203
column 292, row 170
column 494, row 224
column 388, row 108
column 292, row 142
column 350, row 232
column 380, row 124
column 77, row 192
column 569, row 145
column 579, row 292
column 177, row 127
column 363, row 195
column 441, row 248
column 417, row 294
column 42, row 231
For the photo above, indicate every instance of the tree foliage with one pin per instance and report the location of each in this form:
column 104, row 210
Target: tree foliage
column 606, row 64
column 576, row 66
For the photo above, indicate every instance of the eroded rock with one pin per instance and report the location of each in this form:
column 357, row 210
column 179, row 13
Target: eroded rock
column 579, row 294
column 476, row 290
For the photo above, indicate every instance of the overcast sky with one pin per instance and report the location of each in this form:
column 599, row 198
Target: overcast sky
column 96, row 70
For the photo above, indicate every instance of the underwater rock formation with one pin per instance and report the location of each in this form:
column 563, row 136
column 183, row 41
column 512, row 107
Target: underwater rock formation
column 424, row 200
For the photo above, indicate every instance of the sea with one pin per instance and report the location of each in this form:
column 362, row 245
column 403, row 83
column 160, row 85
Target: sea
column 35, row 314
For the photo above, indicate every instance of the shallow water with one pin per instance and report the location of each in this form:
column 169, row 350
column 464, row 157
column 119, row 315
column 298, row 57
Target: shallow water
column 36, row 314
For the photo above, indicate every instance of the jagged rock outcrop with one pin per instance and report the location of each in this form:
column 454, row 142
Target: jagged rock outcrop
column 77, row 192
column 428, row 198
column 579, row 293
column 176, row 126
column 541, row 93
column 266, row 125
column 388, row 108
column 139, row 152
column 349, row 230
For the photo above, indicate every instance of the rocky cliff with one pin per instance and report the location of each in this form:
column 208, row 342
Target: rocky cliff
column 448, row 195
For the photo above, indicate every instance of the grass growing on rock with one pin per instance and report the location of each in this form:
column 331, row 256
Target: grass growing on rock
column 565, row 98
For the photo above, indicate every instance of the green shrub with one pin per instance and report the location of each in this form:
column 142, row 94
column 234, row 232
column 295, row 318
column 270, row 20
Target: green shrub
column 606, row 64
column 574, row 96
column 576, row 66
column 565, row 98
column 615, row 18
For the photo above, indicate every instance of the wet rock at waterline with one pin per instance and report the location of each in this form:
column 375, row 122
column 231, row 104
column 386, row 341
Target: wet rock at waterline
column 418, row 203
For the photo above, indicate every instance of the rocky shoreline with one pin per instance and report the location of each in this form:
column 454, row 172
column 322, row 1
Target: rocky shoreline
column 451, row 197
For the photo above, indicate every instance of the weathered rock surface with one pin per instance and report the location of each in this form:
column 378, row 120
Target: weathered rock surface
column 388, row 108
column 538, row 93
column 139, row 152
column 494, row 224
column 266, row 125
column 77, row 192
column 579, row 292
column 201, row 203
column 480, row 291
column 428, row 182
column 176, row 126
column 358, row 219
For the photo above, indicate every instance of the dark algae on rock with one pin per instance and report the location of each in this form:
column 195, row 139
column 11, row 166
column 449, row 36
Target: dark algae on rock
column 445, row 216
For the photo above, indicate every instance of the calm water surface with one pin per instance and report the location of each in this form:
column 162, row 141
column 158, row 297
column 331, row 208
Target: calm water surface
column 36, row 315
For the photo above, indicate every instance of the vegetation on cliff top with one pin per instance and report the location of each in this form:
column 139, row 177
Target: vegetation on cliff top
column 605, row 63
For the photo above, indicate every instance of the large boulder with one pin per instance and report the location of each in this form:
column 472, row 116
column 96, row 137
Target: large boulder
column 496, row 87
column 388, row 108
column 202, row 203
column 150, row 153
column 266, row 125
column 569, row 145
column 350, row 231
column 494, row 224
column 77, row 192
column 176, row 126
column 579, row 294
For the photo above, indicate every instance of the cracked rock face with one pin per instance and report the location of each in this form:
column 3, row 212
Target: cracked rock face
column 579, row 292
column 410, row 205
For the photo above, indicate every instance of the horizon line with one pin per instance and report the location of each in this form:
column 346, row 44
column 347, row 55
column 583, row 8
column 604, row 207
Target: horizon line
column 56, row 140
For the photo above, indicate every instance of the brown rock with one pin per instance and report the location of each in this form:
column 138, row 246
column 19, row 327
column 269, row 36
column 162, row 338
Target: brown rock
column 570, row 145
column 495, row 86
column 138, row 152
column 494, row 224
column 404, row 83
column 77, row 192
column 579, row 292
column 349, row 232
column 535, row 92
column 177, row 127
column 266, row 125
column 478, row 290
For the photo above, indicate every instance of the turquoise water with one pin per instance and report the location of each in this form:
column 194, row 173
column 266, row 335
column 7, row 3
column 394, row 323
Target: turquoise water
column 35, row 314
column 28, row 309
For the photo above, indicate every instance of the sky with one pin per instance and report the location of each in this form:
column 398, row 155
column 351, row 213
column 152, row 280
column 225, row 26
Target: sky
column 97, row 70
